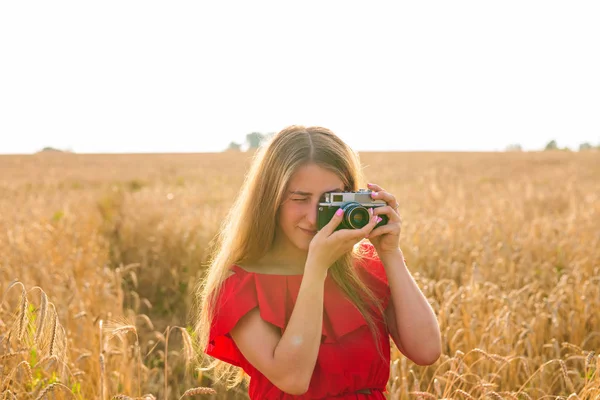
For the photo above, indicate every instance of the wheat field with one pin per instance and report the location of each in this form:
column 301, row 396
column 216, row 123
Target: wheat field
column 99, row 255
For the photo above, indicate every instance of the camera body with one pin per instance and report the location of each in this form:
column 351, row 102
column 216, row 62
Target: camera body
column 355, row 205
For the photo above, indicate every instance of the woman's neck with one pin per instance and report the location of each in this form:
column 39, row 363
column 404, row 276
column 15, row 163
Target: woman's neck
column 286, row 254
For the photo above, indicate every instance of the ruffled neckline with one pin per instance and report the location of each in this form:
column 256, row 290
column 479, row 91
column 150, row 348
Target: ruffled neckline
column 275, row 295
column 237, row 267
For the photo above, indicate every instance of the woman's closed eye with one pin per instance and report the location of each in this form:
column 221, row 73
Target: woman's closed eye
column 301, row 199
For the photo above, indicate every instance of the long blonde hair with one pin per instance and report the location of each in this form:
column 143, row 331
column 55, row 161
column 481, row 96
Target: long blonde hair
column 243, row 235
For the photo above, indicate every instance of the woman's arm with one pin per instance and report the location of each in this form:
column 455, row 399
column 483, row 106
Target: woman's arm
column 287, row 360
column 413, row 324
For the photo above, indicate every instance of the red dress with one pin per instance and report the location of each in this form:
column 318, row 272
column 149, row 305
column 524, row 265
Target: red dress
column 348, row 360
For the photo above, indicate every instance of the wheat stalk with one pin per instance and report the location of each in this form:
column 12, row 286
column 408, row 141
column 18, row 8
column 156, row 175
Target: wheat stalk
column 465, row 394
column 422, row 395
column 6, row 393
column 23, row 316
column 102, row 362
column 147, row 320
column 42, row 315
column 52, row 388
column 197, row 391
column 187, row 347
column 125, row 397
column 565, row 374
column 27, row 368
column 567, row 345
column 6, row 356
column 53, row 334
column 494, row 395
column 589, row 358
column 524, row 394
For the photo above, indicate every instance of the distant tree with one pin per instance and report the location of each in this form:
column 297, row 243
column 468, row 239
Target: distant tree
column 514, row 147
column 254, row 139
column 233, row 146
column 551, row 145
column 585, row 146
column 49, row 149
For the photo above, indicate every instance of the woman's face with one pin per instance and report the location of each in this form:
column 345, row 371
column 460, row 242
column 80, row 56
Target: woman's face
column 298, row 212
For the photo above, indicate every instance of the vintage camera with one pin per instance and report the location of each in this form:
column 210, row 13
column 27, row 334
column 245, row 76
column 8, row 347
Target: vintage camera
column 355, row 205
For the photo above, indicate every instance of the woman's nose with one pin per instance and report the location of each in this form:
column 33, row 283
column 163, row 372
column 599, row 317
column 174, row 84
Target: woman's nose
column 312, row 215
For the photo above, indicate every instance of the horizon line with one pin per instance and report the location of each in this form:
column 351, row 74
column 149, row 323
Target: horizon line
column 61, row 152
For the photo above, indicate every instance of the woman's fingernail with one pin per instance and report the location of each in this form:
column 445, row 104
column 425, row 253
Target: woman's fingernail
column 378, row 219
column 339, row 212
column 374, row 194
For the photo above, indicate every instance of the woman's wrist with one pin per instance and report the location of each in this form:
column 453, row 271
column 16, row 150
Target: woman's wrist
column 391, row 255
column 314, row 271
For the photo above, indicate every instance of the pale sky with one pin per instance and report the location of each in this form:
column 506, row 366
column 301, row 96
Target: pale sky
column 192, row 76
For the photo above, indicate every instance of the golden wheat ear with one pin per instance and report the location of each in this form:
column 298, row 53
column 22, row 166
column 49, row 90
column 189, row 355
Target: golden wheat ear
column 43, row 311
column 197, row 391
column 17, row 330
column 52, row 388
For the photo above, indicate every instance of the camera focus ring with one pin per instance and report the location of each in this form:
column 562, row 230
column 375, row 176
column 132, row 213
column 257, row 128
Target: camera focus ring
column 355, row 215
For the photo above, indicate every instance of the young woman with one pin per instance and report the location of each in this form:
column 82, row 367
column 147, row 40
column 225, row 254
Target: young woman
column 307, row 313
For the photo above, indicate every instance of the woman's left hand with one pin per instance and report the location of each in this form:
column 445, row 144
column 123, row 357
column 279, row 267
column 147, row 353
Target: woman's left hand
column 386, row 238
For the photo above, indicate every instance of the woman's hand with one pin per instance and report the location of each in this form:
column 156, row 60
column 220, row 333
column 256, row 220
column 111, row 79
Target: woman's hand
column 386, row 238
column 328, row 245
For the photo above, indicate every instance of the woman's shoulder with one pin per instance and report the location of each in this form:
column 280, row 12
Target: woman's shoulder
column 247, row 285
column 243, row 291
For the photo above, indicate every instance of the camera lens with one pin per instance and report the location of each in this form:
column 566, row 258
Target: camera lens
column 355, row 216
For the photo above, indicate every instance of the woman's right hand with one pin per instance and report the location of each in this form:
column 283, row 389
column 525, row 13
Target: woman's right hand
column 328, row 245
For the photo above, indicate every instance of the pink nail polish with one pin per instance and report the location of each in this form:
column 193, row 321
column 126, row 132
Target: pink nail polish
column 339, row 212
column 378, row 219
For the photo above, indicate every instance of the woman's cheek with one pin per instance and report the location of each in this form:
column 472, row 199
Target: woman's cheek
column 289, row 214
